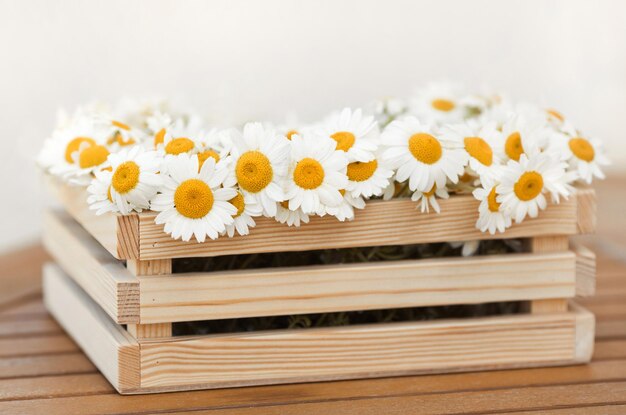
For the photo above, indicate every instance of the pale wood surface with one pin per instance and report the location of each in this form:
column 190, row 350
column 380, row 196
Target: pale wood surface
column 155, row 296
column 44, row 381
column 545, row 244
column 105, row 278
column 281, row 356
column 391, row 222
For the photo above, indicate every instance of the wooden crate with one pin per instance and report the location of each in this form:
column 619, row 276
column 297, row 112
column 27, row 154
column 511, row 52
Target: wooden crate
column 147, row 298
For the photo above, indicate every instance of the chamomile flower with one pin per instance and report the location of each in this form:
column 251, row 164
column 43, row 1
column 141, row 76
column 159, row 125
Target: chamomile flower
column 388, row 109
column 260, row 159
column 118, row 133
column 56, row 154
column 99, row 191
column 369, row 178
column 158, row 125
column 288, row 216
column 215, row 144
column 491, row 216
column 181, row 137
column 521, row 136
column 479, row 142
column 87, row 159
column 418, row 155
column 438, row 103
column 317, row 173
column 135, row 178
column 429, row 198
column 192, row 202
column 523, row 184
column 243, row 219
column 354, row 133
column 344, row 210
column 585, row 156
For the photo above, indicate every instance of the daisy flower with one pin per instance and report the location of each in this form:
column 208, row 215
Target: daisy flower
column 524, row 183
column 439, row 102
column 192, row 202
column 260, row 159
column 135, row 178
column 158, row 124
column 429, row 198
column 584, row 156
column 317, row 173
column 181, row 137
column 118, row 133
column 57, row 152
column 355, row 134
column 288, row 216
column 99, row 190
column 520, row 136
column 88, row 159
column 344, row 210
column 369, row 178
column 479, row 142
column 242, row 219
column 418, row 155
column 491, row 215
column 388, row 109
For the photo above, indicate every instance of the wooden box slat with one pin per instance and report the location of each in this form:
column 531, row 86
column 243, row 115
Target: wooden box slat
column 288, row 356
column 394, row 222
column 313, row 289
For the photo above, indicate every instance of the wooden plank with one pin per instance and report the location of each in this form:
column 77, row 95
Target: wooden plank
column 331, row 288
column 103, row 277
column 585, row 271
column 114, row 232
column 393, row 222
column 146, row 270
column 586, row 210
column 38, row 326
column 30, row 346
column 54, row 387
column 44, row 365
column 380, row 223
column 20, row 275
column 111, row 349
column 338, row 353
column 545, row 244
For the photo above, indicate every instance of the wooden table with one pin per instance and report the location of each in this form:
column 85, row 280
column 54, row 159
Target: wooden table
column 43, row 371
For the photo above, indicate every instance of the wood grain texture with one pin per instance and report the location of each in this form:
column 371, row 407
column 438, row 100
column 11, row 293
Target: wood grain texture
column 108, row 346
column 93, row 268
column 546, row 244
column 359, row 351
column 349, row 287
column 313, row 354
column 587, row 207
column 380, row 223
column 585, row 271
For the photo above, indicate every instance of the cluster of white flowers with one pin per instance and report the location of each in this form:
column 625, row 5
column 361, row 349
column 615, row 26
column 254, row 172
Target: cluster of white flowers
column 213, row 182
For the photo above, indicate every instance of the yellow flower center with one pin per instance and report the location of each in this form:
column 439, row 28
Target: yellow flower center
column 285, row 204
column 126, row 177
column 159, row 137
column 92, row 156
column 359, row 171
column 528, row 186
column 193, row 199
column 239, row 203
column 431, row 191
column 345, row 140
column 493, row 204
column 204, row 156
column 425, row 148
column 513, row 146
column 290, row 134
column 309, row 174
column 73, row 146
column 554, row 113
column 444, row 105
column 479, row 149
column 582, row 149
column 179, row 145
column 254, row 171
column 119, row 139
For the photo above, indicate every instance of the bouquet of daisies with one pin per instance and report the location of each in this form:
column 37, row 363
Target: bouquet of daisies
column 210, row 182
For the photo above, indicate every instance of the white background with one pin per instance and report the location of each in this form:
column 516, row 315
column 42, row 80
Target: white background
column 261, row 59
